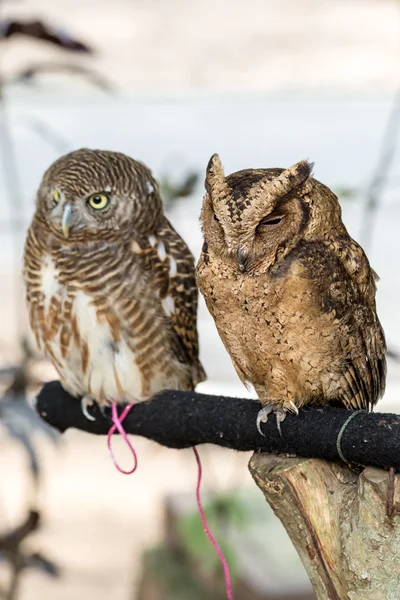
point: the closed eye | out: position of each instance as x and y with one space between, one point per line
216 218
270 221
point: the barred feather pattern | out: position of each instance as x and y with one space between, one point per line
115 315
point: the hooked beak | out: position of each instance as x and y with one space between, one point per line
242 258
66 220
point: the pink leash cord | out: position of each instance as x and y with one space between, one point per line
117 425
206 528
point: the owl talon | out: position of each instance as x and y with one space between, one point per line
85 403
263 415
103 408
280 417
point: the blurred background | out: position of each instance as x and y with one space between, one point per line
170 82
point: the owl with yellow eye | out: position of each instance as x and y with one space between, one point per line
110 285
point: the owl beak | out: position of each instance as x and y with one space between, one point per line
66 220
242 259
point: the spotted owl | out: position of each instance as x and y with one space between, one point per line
110 285
291 293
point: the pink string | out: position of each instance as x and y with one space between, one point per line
206 528
117 425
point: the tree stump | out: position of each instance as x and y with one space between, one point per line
338 522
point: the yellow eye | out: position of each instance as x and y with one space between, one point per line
56 196
98 201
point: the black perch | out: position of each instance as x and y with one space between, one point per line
179 419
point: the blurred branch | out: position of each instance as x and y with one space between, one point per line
22 423
8 159
10 545
11 551
18 418
173 191
379 180
393 354
345 192
380 175
29 73
40 30
10 541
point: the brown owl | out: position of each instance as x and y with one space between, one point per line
110 285
291 293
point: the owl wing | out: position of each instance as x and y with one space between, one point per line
172 266
366 372
348 299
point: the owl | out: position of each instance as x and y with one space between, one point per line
110 285
291 293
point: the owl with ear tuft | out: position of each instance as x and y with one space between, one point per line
110 285
291 293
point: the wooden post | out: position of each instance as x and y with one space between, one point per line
338 523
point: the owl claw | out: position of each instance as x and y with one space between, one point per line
85 403
280 416
103 408
264 413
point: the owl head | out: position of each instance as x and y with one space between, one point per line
97 194
253 217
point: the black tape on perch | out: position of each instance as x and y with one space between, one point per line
183 419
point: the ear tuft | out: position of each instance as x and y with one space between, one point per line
215 175
299 173
215 165
289 180
292 178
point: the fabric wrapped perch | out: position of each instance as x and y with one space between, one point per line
180 419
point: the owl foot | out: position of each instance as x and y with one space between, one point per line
264 413
85 403
105 406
